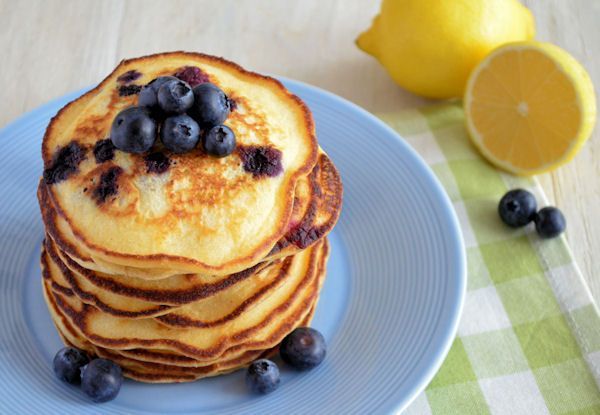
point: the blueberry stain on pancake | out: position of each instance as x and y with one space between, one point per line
127 90
65 163
104 150
232 103
129 77
261 160
303 236
192 75
157 163
108 185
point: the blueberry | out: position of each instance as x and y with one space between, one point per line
304 348
550 222
262 376
101 380
148 96
180 133
175 97
219 141
517 208
133 130
211 106
68 363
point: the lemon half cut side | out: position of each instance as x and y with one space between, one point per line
530 107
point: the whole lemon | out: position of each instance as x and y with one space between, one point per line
430 46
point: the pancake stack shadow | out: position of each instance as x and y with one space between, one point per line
162 326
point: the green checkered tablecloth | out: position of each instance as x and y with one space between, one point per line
529 337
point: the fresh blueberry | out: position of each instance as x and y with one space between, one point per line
148 96
68 363
262 376
304 348
180 133
133 130
211 106
219 141
517 208
175 97
101 380
550 222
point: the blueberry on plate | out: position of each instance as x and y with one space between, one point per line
262 376
211 106
101 380
175 97
133 130
550 222
219 141
148 95
304 348
67 364
517 208
180 133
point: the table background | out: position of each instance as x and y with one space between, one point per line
51 47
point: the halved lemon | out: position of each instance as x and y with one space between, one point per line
529 106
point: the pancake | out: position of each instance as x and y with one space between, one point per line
64 281
169 367
203 215
261 327
160 373
233 357
147 371
212 310
259 288
316 209
179 360
228 290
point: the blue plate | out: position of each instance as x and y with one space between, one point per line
389 308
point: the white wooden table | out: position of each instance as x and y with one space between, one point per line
51 47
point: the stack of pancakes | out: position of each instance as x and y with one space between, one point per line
198 266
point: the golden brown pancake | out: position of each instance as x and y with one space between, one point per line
212 310
263 326
135 298
151 371
170 368
316 209
141 364
203 214
132 307
63 279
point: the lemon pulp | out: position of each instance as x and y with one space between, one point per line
530 107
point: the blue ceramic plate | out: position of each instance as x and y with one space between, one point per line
389 308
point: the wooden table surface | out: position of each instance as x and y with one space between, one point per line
52 47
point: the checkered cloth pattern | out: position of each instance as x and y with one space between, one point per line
529 336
